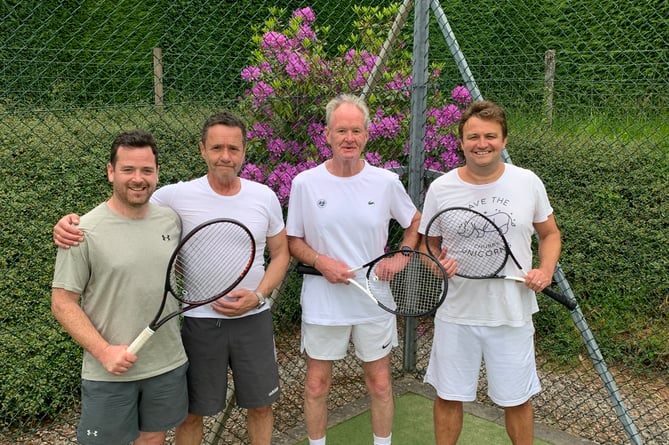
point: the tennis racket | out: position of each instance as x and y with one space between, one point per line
403 282
478 246
207 264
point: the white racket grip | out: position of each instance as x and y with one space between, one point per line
142 338
518 279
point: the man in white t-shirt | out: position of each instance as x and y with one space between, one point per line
490 320
338 217
235 331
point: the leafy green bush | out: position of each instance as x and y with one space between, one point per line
609 197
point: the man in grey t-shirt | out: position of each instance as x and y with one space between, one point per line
104 293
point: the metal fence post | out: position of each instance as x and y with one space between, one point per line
157 77
417 138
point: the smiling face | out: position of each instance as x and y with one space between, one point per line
134 175
346 133
483 142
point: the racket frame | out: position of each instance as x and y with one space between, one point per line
564 300
157 321
310 270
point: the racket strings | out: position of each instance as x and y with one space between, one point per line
210 262
472 240
417 288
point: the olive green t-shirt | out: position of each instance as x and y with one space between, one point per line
119 271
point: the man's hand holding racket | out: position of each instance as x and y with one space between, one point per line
537 280
236 303
387 268
116 359
333 270
449 264
481 250
406 282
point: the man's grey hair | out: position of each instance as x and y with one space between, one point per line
350 99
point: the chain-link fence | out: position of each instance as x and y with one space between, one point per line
585 88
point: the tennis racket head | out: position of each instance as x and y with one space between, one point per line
210 261
407 283
474 240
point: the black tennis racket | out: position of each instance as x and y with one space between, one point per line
478 246
403 282
207 264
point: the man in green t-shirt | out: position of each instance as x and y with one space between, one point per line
104 293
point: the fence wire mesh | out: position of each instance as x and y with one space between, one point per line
585 86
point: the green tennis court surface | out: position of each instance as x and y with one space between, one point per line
413 426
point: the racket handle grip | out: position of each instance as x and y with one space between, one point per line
564 300
142 338
307 270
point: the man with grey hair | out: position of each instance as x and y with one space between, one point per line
338 218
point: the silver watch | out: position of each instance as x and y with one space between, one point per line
261 299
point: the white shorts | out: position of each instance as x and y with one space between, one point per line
508 353
372 341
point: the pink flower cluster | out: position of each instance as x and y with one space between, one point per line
289 82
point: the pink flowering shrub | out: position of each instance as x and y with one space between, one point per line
293 74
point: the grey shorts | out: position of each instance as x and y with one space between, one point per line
113 413
244 344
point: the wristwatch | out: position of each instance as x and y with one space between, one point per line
405 249
261 299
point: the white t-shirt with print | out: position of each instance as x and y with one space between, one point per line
515 201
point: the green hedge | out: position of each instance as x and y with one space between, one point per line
610 201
